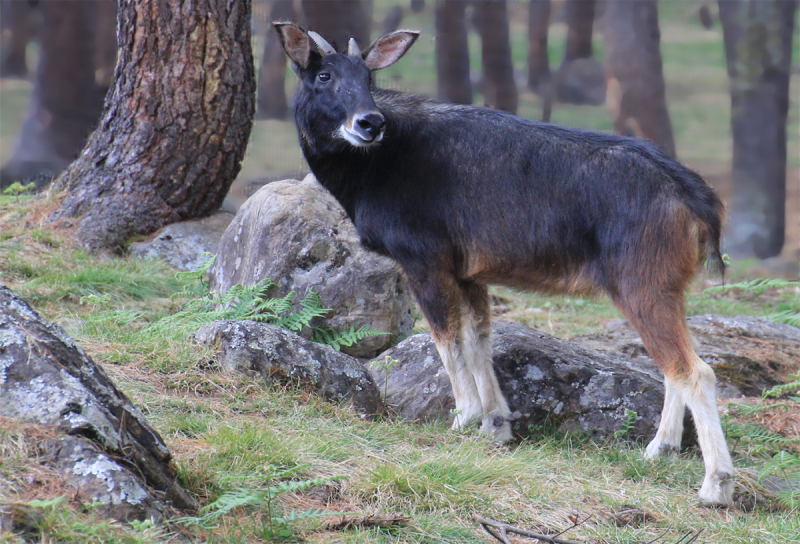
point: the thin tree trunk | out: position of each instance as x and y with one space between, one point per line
635 93
338 21
758 47
272 103
452 53
500 87
176 121
579 16
538 61
65 103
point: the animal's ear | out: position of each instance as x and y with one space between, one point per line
388 50
295 42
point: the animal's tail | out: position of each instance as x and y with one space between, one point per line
705 205
714 260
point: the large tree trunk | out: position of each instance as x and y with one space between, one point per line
758 47
65 103
452 53
538 61
272 103
338 21
500 89
579 16
635 93
176 121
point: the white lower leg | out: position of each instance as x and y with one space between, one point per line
478 357
700 396
465 392
670 430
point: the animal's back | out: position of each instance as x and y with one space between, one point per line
476 181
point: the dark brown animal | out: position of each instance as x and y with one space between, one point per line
463 197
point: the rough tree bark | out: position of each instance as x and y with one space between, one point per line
538 61
500 89
452 53
579 16
175 125
65 103
758 47
635 93
338 21
272 103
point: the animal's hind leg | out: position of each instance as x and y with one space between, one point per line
659 319
670 430
477 342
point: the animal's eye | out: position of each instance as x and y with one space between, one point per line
324 77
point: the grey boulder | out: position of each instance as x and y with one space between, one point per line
105 449
183 245
297 235
274 353
748 354
545 381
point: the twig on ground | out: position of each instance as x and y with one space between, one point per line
505 528
575 523
659 537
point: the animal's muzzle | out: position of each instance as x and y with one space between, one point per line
369 127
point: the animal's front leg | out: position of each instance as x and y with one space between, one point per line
476 334
441 301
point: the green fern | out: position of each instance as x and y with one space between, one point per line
757 287
786 388
252 302
276 527
346 338
785 465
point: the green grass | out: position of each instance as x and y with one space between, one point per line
230 432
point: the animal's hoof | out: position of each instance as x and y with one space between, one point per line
498 428
717 490
660 449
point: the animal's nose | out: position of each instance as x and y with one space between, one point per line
370 125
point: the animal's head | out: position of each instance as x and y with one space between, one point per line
335 99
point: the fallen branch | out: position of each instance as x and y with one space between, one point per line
490 525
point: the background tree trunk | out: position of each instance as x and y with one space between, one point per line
65 103
635 93
579 16
500 89
338 20
105 44
272 103
758 48
175 125
538 61
19 28
452 53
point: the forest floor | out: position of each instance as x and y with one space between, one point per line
402 481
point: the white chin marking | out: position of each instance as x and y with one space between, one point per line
354 139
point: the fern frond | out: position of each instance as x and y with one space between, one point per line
786 388
294 515
756 286
750 409
787 317
337 339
